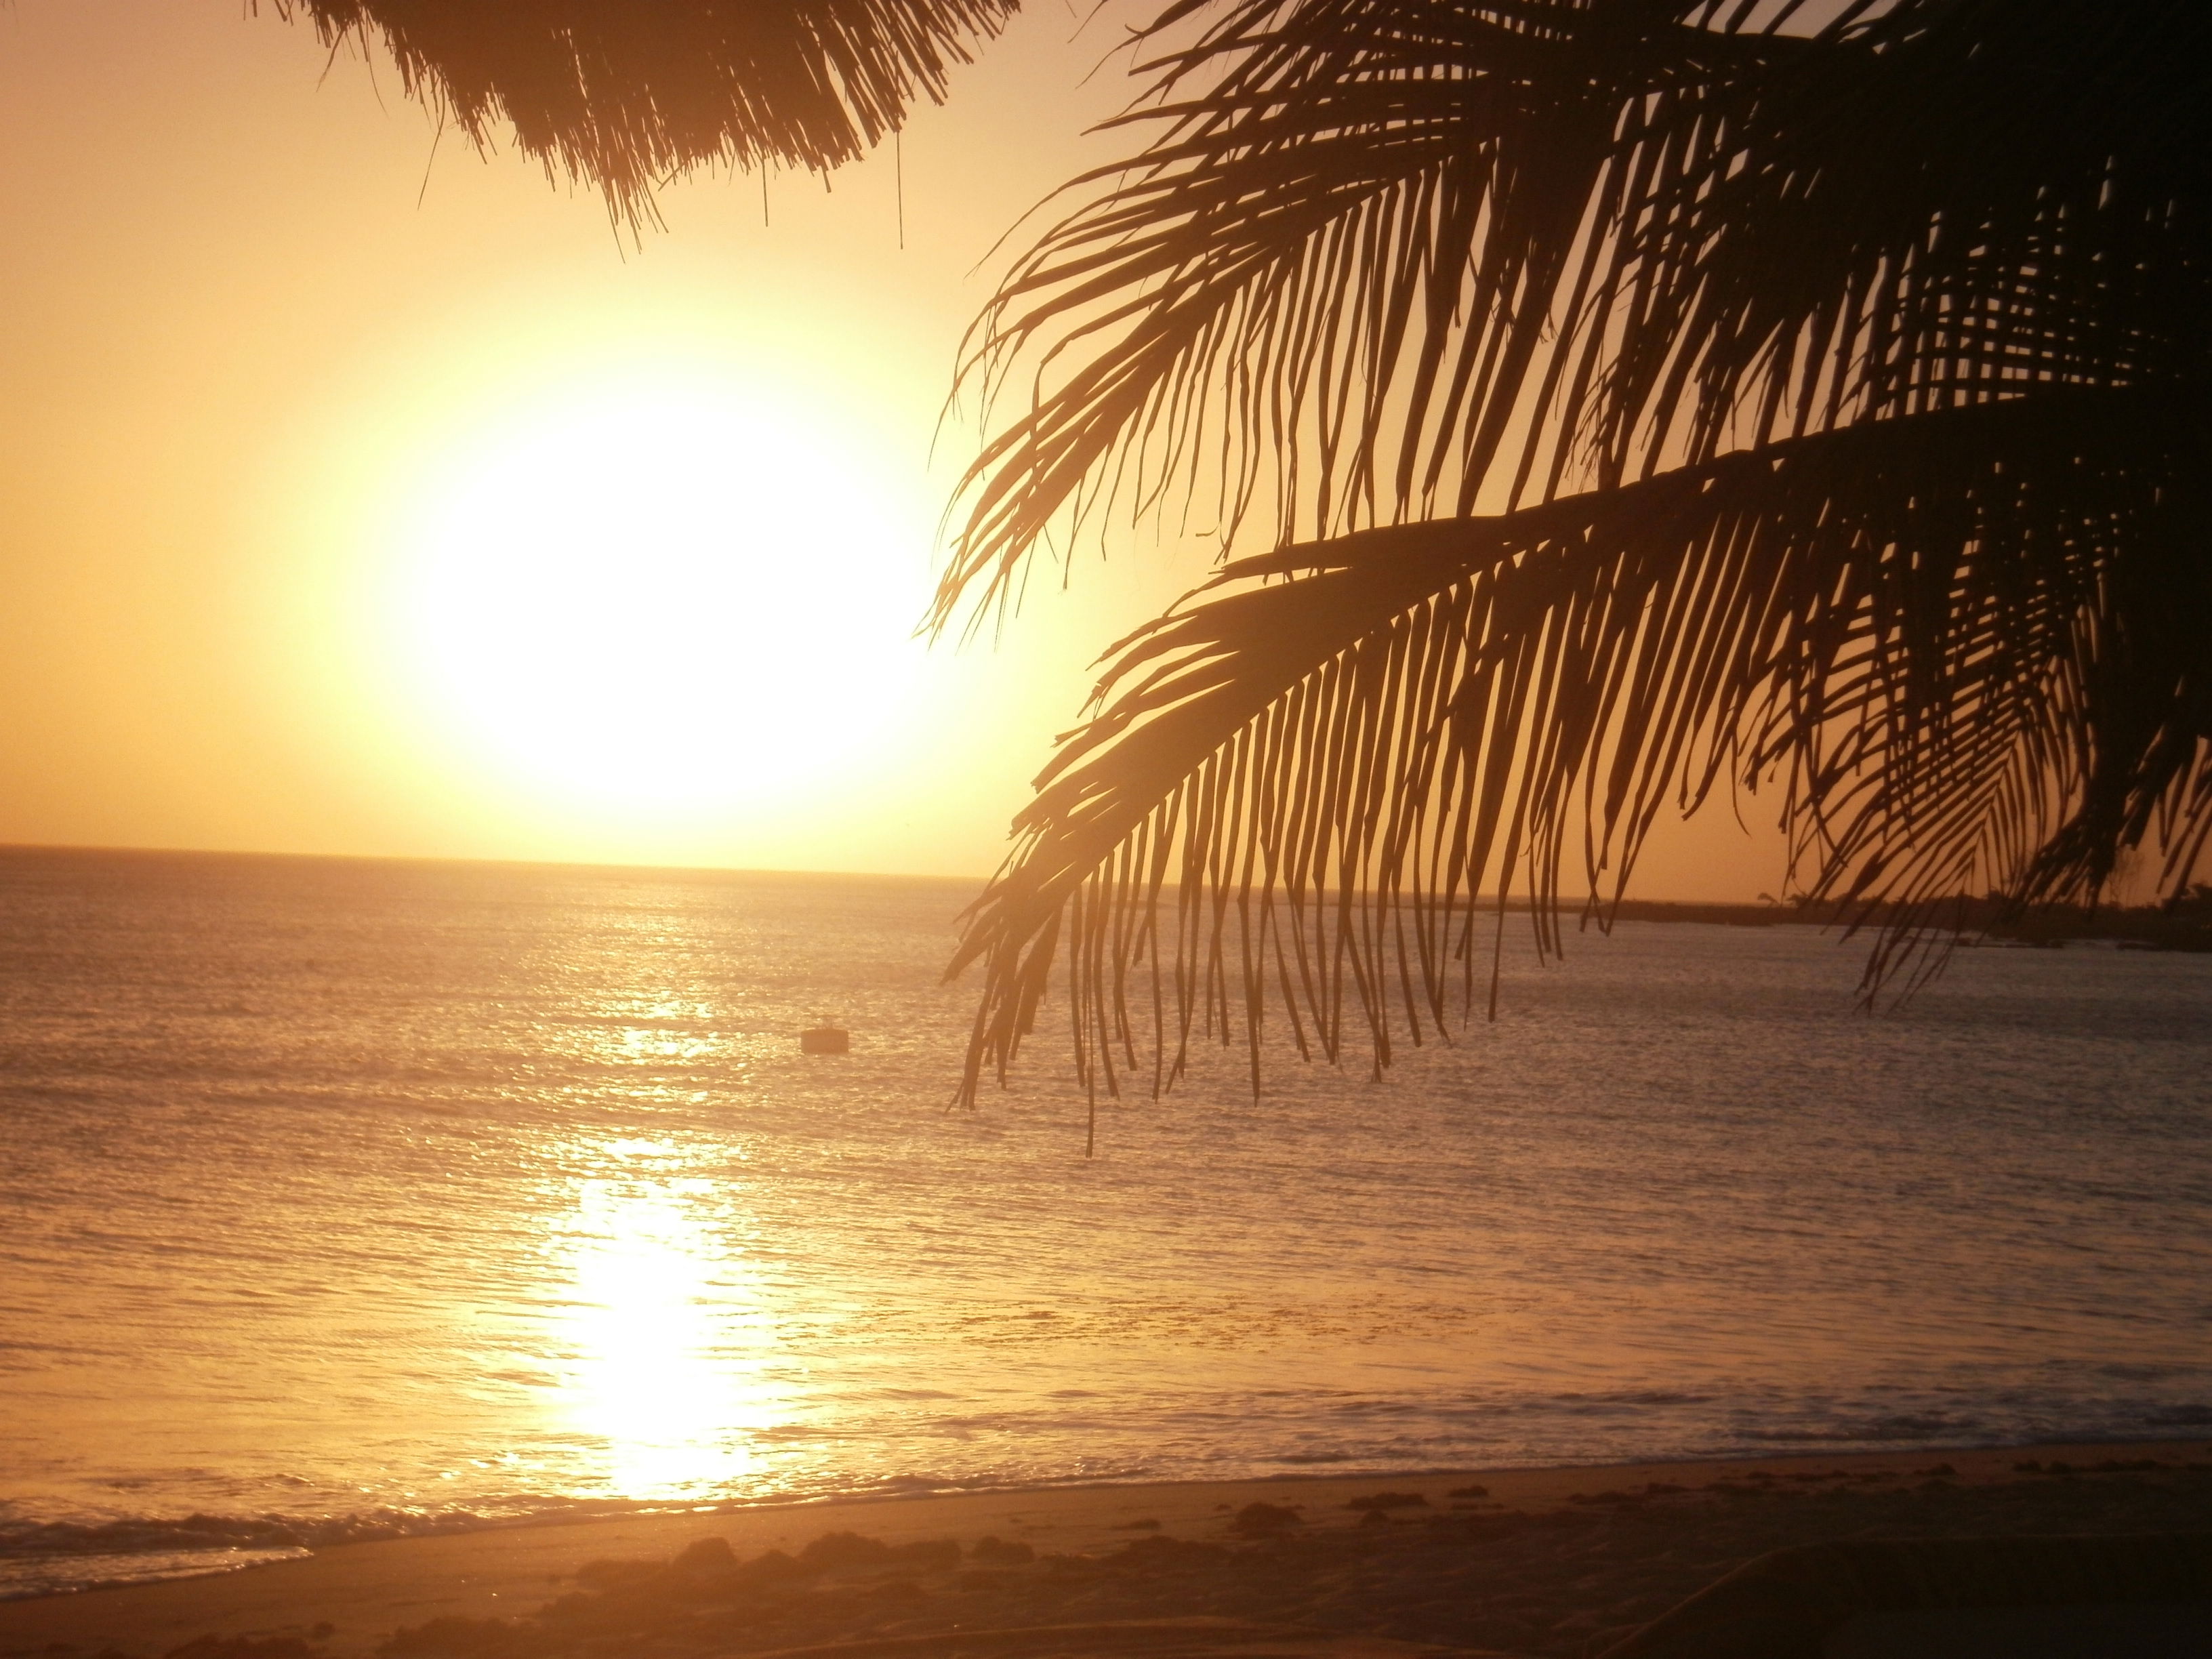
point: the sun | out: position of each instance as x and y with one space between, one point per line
659 594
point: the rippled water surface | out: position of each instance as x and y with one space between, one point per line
363 1196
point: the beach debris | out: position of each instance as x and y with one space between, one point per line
1147 1525
1469 1491
1375 1503
708 1555
706 1552
835 1551
825 1040
991 1551
1265 1521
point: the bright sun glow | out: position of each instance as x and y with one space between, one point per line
662 595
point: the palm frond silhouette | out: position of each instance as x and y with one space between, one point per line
626 94
1638 400
1629 400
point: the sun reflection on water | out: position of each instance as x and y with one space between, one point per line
670 1340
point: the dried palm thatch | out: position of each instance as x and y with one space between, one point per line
626 94
1636 400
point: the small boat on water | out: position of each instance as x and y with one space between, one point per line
825 1040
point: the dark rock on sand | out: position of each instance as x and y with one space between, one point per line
1265 1521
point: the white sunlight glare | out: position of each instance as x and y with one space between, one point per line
663 596
671 1347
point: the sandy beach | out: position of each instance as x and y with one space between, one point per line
1528 1561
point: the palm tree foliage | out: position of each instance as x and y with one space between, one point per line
1630 401
1636 400
626 93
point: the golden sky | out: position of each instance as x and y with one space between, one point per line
367 495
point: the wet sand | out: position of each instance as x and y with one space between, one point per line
1540 1561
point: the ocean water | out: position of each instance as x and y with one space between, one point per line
343 1197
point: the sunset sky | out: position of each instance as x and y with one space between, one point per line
367 495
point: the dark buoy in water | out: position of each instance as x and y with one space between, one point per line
825 1040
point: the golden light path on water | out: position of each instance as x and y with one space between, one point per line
668 1334
379 1197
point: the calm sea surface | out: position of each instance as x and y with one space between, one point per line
338 1198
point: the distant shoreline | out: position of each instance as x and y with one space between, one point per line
2185 926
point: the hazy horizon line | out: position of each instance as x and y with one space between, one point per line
11 848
